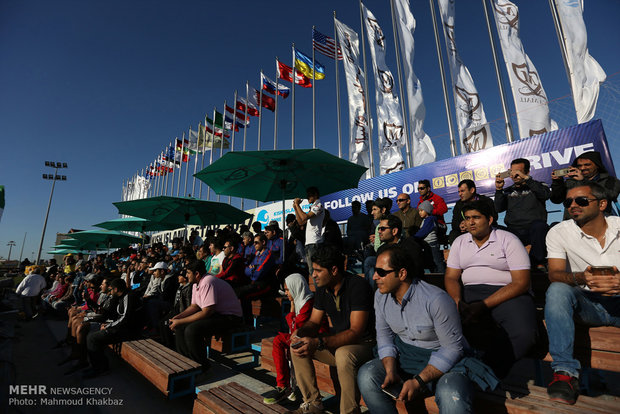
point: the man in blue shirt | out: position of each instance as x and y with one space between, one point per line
419 342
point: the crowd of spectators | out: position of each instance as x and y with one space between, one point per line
428 341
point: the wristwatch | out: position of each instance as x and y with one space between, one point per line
321 344
423 385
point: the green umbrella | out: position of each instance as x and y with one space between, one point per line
279 175
106 238
182 211
135 224
63 246
66 251
81 245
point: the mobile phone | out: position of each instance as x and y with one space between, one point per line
393 390
562 172
602 270
504 174
297 344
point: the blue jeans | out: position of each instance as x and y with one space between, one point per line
564 305
440 266
369 269
453 391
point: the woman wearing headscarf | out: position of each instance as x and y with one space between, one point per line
302 300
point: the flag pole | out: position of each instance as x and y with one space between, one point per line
222 137
275 119
260 114
245 130
212 149
166 159
165 192
444 83
183 147
293 78
202 161
337 88
313 108
498 75
367 95
406 124
234 117
195 161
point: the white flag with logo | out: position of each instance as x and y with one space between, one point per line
527 90
358 120
586 74
474 132
423 149
390 126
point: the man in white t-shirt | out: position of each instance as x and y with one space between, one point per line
313 220
580 288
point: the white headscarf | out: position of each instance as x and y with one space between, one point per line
300 291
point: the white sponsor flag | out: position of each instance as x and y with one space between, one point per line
586 74
423 149
474 132
527 90
358 120
391 130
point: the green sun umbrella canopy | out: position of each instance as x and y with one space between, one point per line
64 251
103 239
182 211
135 224
274 175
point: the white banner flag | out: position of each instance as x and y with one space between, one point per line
529 96
358 120
586 74
423 149
474 132
390 126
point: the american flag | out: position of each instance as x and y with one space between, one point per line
325 44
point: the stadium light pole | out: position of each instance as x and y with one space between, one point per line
53 177
10 244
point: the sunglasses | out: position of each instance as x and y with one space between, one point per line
383 228
256 242
581 201
401 200
421 188
383 272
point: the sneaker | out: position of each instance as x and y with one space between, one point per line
309 408
295 395
276 395
563 388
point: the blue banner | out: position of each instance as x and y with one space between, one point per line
546 152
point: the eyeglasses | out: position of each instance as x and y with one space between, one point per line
383 228
401 200
256 242
421 188
383 272
581 201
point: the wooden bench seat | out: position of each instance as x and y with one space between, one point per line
233 398
509 399
170 372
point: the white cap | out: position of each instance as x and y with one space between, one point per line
160 265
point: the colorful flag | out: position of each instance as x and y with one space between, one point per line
474 131
270 86
391 131
325 45
303 64
285 72
241 119
184 147
359 129
586 74
266 102
242 104
529 95
422 148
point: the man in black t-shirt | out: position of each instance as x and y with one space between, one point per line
348 302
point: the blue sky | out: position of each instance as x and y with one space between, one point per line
106 85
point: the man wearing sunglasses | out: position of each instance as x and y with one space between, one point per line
346 300
524 204
578 291
586 167
409 216
419 342
439 205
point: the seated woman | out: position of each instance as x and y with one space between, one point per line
302 300
497 311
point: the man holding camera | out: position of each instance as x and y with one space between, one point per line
583 257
